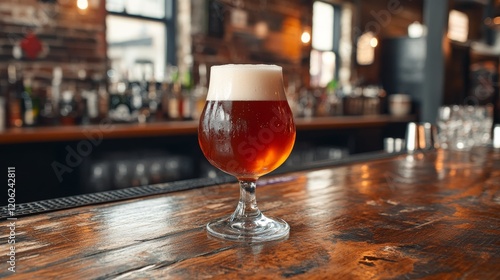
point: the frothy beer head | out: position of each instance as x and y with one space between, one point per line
246 82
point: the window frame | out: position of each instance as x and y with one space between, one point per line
170 22
337 13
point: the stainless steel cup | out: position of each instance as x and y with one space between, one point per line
427 136
411 138
420 136
496 136
389 145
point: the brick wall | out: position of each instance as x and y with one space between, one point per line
72 39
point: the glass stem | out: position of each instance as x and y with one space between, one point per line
247 206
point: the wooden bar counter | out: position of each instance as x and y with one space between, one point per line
109 130
432 215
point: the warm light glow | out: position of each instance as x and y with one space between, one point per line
458 26
365 54
496 20
306 37
82 4
261 29
416 30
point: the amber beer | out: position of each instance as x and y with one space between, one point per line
246 130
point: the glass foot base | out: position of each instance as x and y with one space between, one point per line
251 229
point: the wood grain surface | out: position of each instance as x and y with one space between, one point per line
423 216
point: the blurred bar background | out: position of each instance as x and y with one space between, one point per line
105 94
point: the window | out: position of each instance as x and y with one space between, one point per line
325 43
323 16
458 26
140 37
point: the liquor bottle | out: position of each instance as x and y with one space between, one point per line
175 102
334 99
3 110
134 96
173 97
80 109
200 92
91 112
48 114
120 102
144 111
164 103
14 100
67 114
103 101
29 106
57 76
187 95
153 100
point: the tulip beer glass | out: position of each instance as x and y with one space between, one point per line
246 130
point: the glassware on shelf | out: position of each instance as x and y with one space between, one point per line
307 103
399 104
483 123
247 130
464 127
